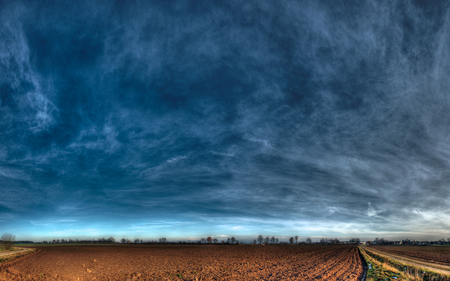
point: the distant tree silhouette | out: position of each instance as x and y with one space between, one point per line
272 240
164 240
136 241
260 239
296 239
277 241
254 241
291 240
215 241
354 240
266 240
111 240
308 240
123 240
209 240
8 240
233 240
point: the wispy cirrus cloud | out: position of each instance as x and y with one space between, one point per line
275 117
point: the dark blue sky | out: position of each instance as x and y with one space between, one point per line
188 119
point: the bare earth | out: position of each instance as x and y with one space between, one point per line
3 254
173 262
430 265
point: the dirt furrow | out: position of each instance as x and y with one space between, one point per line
243 262
443 269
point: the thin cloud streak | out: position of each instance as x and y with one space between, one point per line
261 115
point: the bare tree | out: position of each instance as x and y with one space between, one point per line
272 240
215 241
291 240
123 240
266 240
254 241
164 240
209 240
260 239
111 240
233 240
308 240
8 240
277 241
136 241
296 239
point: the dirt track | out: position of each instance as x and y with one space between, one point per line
443 269
172 262
2 254
434 254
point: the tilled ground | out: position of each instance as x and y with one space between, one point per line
436 254
177 262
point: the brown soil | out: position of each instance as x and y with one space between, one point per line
440 268
436 254
177 262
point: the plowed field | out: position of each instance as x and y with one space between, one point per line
176 262
439 254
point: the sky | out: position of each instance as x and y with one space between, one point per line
189 119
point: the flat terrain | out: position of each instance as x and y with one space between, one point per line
178 262
436 254
427 264
13 252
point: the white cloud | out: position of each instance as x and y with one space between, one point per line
371 210
237 227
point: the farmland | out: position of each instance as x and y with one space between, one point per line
434 254
178 262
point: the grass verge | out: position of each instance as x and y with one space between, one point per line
383 268
2 250
8 258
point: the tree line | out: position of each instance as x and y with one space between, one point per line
8 239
